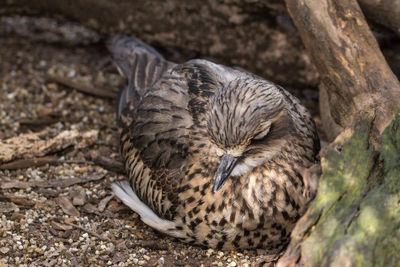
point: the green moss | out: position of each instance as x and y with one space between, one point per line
359 217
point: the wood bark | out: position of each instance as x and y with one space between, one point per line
384 12
353 70
354 219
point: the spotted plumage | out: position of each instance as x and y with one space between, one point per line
214 155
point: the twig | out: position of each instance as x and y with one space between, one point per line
53 183
34 123
82 88
27 163
103 203
20 201
89 232
107 163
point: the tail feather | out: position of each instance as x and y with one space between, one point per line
124 192
141 64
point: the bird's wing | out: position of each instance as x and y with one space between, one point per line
141 64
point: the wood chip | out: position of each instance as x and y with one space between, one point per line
14 184
47 192
90 208
35 145
7 207
52 183
78 196
17 216
28 163
117 207
106 93
20 201
67 206
107 163
60 226
103 203
45 112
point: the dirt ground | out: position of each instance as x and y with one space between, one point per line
46 220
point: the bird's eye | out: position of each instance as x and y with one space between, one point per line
262 134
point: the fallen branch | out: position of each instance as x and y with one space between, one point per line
28 163
82 87
35 145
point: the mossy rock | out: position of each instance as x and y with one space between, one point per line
358 204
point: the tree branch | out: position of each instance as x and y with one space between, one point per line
353 70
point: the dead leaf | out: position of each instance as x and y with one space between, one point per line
67 206
103 203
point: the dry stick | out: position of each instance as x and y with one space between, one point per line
52 183
82 88
38 122
108 163
27 163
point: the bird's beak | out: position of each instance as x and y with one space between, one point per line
225 168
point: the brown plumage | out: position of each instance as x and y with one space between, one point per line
215 155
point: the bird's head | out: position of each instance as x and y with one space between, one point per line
248 124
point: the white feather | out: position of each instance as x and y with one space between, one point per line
124 192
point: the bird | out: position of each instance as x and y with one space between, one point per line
214 155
